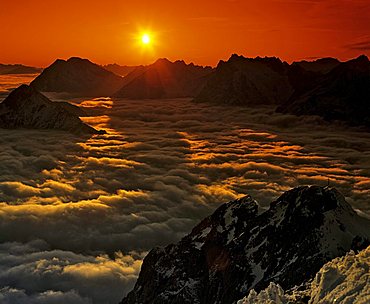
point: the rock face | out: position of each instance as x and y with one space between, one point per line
248 81
18 69
79 77
342 94
26 108
239 248
344 280
164 79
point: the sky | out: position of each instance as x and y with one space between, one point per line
37 32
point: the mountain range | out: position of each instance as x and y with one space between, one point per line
18 69
164 79
241 247
324 87
341 94
27 108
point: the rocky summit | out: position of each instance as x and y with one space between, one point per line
78 77
164 79
241 247
248 81
27 108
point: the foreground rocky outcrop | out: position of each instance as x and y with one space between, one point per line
164 79
240 247
342 280
27 108
78 77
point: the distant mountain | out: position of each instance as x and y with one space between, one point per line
322 65
121 70
240 247
164 79
26 108
342 94
18 69
248 81
79 77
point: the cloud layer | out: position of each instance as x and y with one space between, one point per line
70 206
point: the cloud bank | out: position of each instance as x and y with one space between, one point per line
77 215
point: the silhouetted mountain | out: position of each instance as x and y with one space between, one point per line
322 65
121 70
26 108
164 79
79 77
240 247
342 94
248 81
18 69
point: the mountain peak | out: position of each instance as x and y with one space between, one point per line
238 248
362 58
79 77
75 58
22 94
25 107
360 63
312 200
162 61
164 79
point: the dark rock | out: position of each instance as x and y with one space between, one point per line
342 94
238 248
26 108
322 65
164 79
79 77
248 81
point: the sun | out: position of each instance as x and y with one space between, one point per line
145 39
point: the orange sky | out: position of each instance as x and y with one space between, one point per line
203 31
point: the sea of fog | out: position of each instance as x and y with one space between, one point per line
78 214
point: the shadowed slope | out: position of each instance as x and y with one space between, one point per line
27 108
341 94
164 79
79 77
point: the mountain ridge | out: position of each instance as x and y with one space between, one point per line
9 69
164 79
341 94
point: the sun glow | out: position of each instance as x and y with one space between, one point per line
145 39
146 42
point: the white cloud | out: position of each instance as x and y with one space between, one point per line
162 167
